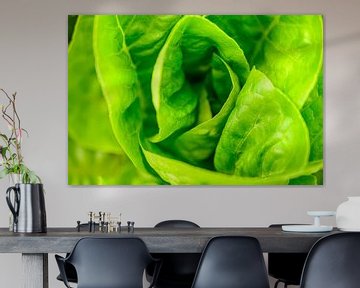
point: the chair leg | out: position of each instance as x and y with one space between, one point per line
278 282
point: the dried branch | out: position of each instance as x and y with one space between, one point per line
10 152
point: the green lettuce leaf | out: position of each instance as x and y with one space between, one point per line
175 100
265 134
118 79
88 121
177 172
287 48
198 144
312 113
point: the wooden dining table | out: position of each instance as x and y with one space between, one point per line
35 247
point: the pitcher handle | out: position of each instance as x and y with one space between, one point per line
13 208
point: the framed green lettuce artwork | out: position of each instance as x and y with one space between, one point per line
195 100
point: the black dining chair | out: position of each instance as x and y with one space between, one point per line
178 269
333 262
285 267
232 262
108 263
70 271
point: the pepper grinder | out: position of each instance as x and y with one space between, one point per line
90 221
130 226
78 226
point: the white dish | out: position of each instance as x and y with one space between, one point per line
350 229
321 213
306 228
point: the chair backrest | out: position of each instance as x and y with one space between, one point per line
110 262
287 267
333 262
232 262
176 224
178 269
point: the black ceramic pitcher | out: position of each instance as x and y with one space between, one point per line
28 207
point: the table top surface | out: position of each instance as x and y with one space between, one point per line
158 240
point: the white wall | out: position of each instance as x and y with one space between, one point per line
33 62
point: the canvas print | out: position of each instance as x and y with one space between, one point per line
195 100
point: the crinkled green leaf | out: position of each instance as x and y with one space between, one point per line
145 36
287 48
199 143
118 79
313 116
174 98
177 172
88 121
265 134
